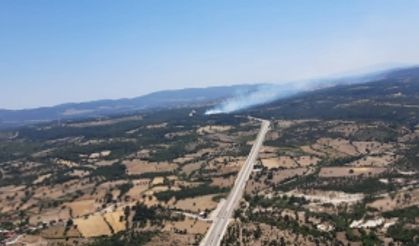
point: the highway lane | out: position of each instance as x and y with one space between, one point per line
219 226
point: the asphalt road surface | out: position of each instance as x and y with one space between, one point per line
219 226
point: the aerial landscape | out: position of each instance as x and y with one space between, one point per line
320 156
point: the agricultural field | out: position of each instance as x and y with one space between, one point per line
349 190
330 172
146 177
337 168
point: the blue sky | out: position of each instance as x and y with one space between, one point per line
69 51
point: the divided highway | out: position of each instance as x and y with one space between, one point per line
219 226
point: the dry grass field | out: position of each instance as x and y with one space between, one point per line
342 146
328 172
325 197
305 161
397 200
10 197
168 238
189 225
52 214
223 181
189 168
116 220
60 232
309 150
93 226
139 187
136 167
157 181
280 162
212 129
282 175
196 204
82 207
375 161
34 240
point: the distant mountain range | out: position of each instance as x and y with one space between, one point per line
195 97
161 99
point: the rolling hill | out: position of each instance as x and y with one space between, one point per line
161 99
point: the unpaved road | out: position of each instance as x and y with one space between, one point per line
219 226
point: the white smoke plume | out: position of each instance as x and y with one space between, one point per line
270 92
263 94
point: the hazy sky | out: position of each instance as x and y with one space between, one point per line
68 51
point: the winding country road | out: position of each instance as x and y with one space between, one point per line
219 226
